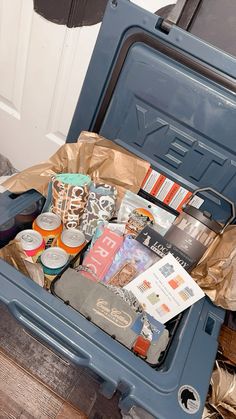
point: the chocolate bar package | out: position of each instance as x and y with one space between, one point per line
155 242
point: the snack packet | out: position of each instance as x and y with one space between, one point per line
161 218
131 259
100 256
115 227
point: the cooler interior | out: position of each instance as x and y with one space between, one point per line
24 220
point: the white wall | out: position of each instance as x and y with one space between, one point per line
153 5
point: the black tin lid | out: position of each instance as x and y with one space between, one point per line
204 218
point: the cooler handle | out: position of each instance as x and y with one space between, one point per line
222 197
47 332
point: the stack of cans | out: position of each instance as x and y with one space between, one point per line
48 243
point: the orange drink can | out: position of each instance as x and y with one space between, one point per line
49 225
72 241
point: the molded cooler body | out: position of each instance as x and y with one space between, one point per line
169 98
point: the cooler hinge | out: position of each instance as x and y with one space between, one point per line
182 14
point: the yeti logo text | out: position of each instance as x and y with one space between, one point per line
177 145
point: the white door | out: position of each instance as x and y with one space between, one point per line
42 68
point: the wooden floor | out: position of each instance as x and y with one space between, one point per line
21 396
35 382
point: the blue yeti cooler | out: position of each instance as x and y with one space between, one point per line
169 98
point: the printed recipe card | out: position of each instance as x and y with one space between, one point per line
165 289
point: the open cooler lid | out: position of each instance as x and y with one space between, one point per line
169 98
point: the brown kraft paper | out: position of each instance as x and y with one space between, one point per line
223 391
93 155
14 255
216 272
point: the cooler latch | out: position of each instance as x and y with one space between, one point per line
181 14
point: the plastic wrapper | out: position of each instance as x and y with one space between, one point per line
137 221
162 218
130 260
115 227
101 255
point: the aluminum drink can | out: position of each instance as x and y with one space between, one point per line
72 241
49 225
53 261
31 242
